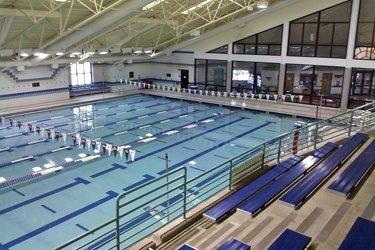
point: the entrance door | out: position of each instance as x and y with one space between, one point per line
184 78
362 84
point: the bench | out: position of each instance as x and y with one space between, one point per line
305 187
226 206
186 247
290 240
88 91
266 195
353 174
233 244
360 235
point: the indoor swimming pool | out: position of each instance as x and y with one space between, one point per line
62 169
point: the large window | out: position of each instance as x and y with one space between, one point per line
81 73
251 77
265 43
365 41
211 74
220 50
315 83
362 89
322 34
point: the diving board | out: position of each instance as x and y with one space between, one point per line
226 206
360 235
266 195
234 244
305 187
290 240
353 174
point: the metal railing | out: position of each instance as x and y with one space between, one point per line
150 206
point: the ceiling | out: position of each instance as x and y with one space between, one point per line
120 27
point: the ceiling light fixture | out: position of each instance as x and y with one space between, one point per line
200 5
153 4
262 4
103 51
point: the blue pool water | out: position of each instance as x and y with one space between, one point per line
45 210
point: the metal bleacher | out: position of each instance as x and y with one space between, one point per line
261 199
301 190
353 174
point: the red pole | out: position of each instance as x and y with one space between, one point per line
295 142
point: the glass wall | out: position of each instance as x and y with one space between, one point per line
265 43
252 77
211 74
365 40
322 34
362 88
315 83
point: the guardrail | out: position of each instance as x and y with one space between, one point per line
152 205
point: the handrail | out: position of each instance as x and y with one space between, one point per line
209 183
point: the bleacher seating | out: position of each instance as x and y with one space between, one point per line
88 91
301 190
233 244
290 240
263 197
186 247
233 201
351 176
360 236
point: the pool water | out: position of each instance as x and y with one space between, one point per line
55 188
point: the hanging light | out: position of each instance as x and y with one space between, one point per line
262 4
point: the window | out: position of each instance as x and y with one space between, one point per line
365 41
220 50
315 83
362 88
252 77
211 74
81 73
321 34
265 43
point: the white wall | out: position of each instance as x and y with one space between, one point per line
20 83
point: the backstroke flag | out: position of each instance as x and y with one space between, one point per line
64 137
132 154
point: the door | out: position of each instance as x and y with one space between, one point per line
326 84
362 84
289 83
184 78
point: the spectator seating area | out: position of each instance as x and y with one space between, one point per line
290 240
232 202
307 175
360 236
266 195
353 174
305 187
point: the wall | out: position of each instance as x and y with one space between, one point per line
17 86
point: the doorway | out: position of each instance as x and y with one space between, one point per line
184 78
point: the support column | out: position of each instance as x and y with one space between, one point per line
284 51
349 57
229 68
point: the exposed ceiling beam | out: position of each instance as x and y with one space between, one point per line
5 29
159 21
28 13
